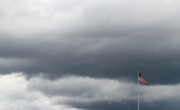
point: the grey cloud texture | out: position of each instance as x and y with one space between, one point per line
93 94
108 39
83 93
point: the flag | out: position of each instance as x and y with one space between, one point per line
142 79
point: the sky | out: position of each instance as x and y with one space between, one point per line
85 54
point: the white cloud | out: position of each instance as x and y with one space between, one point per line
14 95
37 17
76 17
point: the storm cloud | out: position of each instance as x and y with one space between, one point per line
84 55
90 38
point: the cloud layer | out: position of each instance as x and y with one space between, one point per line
83 93
93 94
108 39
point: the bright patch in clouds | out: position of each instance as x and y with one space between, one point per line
14 95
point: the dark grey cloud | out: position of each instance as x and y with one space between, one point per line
97 57
91 38
129 106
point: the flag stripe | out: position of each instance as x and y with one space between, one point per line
142 79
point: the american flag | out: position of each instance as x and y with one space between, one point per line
142 79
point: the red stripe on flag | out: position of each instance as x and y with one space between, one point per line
142 79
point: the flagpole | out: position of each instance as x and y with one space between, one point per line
138 89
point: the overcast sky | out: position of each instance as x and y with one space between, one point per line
85 54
